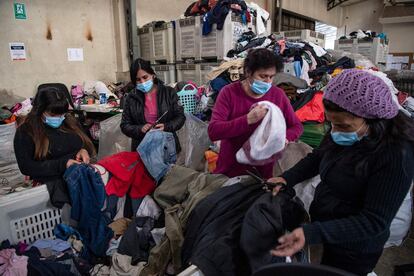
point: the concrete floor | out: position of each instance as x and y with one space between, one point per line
403 254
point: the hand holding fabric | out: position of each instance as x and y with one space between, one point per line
277 180
256 114
290 243
83 156
145 128
72 162
160 127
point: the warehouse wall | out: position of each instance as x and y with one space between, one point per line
401 37
315 9
364 15
150 10
50 28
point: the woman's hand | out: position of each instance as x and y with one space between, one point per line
277 180
83 156
145 128
256 114
290 243
160 127
72 162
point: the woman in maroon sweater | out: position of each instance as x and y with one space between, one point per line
233 121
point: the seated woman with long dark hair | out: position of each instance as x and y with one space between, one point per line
50 140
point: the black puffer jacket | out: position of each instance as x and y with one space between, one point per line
133 119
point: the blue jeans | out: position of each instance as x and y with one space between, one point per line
87 194
157 151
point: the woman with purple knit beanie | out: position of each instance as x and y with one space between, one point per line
366 166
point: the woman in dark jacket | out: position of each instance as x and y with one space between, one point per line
148 103
366 168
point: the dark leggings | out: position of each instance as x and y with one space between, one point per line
348 260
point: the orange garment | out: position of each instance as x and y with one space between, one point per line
313 110
211 158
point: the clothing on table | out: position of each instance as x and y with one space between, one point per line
119 226
150 108
157 151
133 119
129 175
268 219
38 267
229 124
212 235
313 110
12 264
87 194
289 79
180 192
267 140
349 203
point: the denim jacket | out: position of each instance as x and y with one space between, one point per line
157 151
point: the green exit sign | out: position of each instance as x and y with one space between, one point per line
19 11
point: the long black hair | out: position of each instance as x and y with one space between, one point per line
382 133
51 100
139 64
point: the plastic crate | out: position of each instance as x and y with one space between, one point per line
188 98
216 44
164 43
303 35
27 216
376 49
188 72
187 34
166 73
146 43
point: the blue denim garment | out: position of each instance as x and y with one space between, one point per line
87 194
157 151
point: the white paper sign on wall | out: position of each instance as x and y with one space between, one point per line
75 54
17 51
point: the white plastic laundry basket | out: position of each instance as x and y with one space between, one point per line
27 216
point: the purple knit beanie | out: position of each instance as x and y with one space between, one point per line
362 94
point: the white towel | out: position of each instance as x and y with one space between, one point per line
267 140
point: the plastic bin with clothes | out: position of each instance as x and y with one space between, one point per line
10 174
112 140
194 143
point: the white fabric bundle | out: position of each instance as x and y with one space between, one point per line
267 140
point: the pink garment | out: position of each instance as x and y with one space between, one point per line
229 124
314 63
12 264
151 108
282 44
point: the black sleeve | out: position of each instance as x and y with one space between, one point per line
178 113
128 127
24 149
387 187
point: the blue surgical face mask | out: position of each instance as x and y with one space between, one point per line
54 122
145 86
260 87
346 138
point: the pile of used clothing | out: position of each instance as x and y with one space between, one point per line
216 11
360 34
91 91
